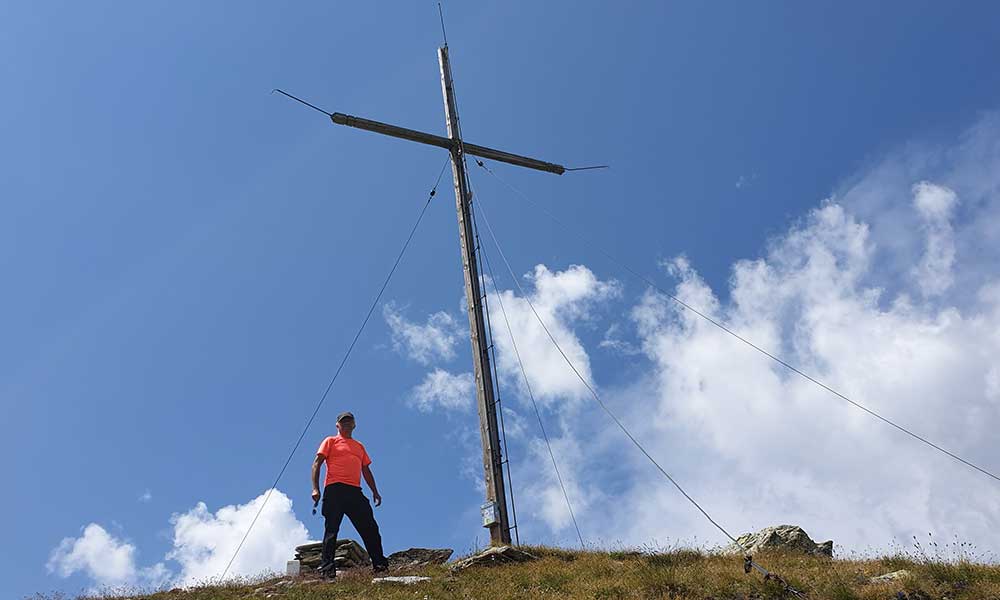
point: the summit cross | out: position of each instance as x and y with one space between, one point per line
495 515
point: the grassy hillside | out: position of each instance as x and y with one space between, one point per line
681 574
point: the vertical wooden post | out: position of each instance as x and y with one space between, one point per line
488 429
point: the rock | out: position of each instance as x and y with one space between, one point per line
889 577
419 557
310 547
783 537
348 554
407 580
492 556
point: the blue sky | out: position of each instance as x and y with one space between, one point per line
185 258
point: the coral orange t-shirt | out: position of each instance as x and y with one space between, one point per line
344 459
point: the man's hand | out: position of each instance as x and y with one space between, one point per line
366 472
315 477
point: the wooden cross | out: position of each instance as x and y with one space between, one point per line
495 509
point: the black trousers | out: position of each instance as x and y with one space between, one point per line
340 499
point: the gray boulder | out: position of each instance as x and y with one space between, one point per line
492 556
783 537
419 557
347 555
890 577
405 580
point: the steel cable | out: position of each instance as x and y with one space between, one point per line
746 341
531 395
611 414
336 374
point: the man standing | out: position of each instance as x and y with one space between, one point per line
346 461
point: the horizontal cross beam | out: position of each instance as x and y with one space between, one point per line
446 143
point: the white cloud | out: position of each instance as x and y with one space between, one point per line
794 452
744 181
566 301
434 340
614 340
993 384
157 576
515 424
205 542
563 299
759 445
443 390
969 168
145 496
108 561
545 495
935 205
98 554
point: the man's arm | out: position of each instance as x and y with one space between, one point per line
315 475
370 479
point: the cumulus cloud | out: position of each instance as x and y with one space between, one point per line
203 543
106 560
568 302
795 452
432 341
563 299
889 293
968 167
515 424
935 204
443 390
547 501
614 340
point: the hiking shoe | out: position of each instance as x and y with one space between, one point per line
328 570
376 569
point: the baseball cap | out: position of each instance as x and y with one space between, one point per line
344 415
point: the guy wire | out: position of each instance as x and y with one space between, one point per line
746 341
607 410
336 374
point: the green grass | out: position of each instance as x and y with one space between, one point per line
680 574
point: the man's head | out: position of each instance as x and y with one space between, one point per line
345 424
